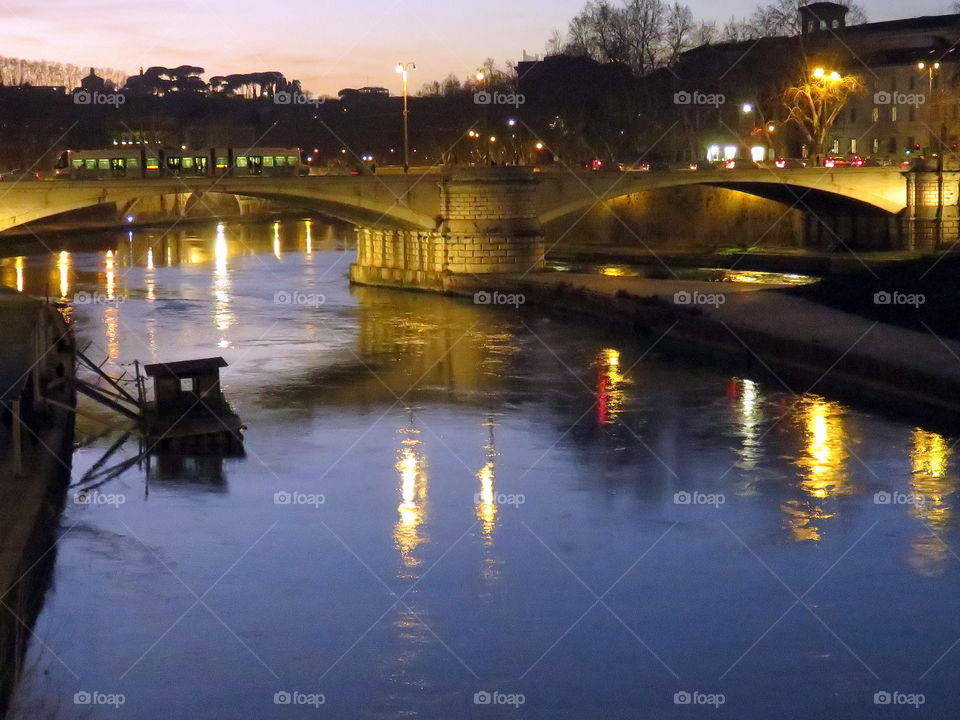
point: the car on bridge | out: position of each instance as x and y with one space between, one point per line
789 163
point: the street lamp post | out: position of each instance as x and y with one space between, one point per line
403 69
482 78
931 68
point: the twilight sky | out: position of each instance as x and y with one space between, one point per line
328 45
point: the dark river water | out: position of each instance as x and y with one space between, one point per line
458 511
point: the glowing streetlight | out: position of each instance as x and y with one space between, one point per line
930 70
403 69
747 108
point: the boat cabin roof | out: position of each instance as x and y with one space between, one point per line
184 368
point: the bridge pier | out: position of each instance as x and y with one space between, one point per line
488 224
932 216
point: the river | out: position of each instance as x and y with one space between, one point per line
456 511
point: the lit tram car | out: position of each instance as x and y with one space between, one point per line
142 162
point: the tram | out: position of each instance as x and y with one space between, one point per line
144 162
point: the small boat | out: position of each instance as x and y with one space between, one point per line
189 411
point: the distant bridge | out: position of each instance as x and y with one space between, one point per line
415 202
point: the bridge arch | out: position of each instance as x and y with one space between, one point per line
863 189
404 203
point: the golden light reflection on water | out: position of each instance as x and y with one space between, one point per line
276 241
748 406
823 462
930 484
111 310
614 270
222 314
610 386
18 266
411 466
486 505
308 236
110 284
63 272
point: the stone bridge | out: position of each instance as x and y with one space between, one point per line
416 229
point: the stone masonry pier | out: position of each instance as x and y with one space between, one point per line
488 224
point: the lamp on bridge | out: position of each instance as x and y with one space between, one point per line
404 69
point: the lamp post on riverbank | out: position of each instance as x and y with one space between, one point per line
403 69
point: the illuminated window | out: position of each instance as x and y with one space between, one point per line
893 113
133 163
758 153
853 145
103 163
729 152
280 160
221 162
90 164
875 115
268 160
77 163
835 148
152 163
241 161
291 159
713 153
876 145
187 162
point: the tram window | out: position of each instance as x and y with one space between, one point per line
133 163
90 164
280 160
291 160
268 160
187 162
152 163
78 163
241 161
221 162
103 163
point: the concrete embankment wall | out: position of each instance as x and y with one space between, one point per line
880 381
36 444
